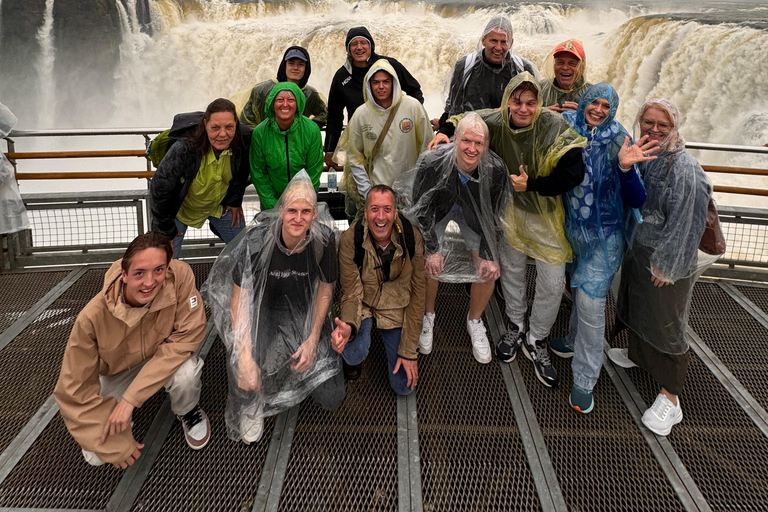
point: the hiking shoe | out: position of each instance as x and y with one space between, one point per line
581 400
352 371
509 344
620 357
197 428
481 348
561 347
538 354
662 415
427 333
252 424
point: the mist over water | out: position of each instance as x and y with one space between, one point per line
707 57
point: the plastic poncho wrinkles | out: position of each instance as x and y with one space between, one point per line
534 222
434 188
270 320
594 209
407 137
13 214
277 156
552 94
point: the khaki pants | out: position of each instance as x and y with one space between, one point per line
183 389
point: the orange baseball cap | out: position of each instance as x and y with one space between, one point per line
572 46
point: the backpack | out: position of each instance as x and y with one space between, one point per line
182 126
410 241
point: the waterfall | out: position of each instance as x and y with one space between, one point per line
44 68
131 101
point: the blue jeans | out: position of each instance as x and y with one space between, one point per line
585 334
357 350
222 226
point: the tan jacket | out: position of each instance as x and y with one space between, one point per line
109 337
397 302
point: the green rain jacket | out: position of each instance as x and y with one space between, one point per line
276 156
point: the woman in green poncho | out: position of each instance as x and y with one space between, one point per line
543 152
284 144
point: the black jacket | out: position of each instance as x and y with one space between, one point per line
347 88
177 171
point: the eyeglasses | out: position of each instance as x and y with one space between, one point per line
647 124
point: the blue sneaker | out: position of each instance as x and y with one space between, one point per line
581 400
561 347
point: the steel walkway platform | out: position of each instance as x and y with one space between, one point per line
471 438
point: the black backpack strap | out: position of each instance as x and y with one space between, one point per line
410 240
359 252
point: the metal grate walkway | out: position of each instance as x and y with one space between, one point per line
472 437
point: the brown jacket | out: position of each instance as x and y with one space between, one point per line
397 302
109 337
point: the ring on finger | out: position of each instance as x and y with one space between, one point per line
645 154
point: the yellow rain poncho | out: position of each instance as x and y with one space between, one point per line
535 222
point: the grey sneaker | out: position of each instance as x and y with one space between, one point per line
542 364
620 357
509 344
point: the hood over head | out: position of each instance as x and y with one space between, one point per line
359 32
397 94
513 84
281 75
7 120
501 23
675 138
601 90
301 100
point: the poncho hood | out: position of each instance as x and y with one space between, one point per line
397 93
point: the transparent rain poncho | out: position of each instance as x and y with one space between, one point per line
265 299
435 189
666 244
594 210
13 214
534 223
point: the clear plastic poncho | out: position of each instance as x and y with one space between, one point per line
534 223
666 245
13 214
436 190
265 299
594 210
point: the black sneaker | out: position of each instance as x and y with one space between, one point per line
539 355
352 372
197 431
509 344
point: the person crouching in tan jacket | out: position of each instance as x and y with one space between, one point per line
140 333
381 262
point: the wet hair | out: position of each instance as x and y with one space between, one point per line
380 189
472 122
151 240
525 86
199 137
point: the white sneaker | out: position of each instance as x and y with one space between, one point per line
252 424
427 333
620 357
91 458
481 348
663 415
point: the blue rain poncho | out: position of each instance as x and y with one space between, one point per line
594 210
13 214
264 299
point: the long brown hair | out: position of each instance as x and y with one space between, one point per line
149 240
199 137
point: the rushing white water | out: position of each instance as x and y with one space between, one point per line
44 67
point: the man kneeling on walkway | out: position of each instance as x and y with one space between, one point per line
381 262
138 334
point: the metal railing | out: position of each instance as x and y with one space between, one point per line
74 228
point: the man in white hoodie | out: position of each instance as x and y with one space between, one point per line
384 137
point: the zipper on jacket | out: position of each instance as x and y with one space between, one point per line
287 159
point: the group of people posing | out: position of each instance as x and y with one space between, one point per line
520 168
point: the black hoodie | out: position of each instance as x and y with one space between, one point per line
282 77
347 87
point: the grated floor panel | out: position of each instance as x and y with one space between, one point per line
224 475
347 459
757 294
20 291
472 456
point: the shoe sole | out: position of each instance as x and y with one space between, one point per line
530 358
199 447
481 361
564 355
665 432
575 408
511 359
425 351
